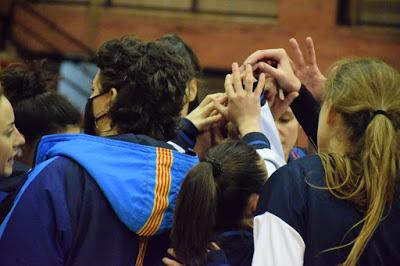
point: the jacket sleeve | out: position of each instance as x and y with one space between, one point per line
268 128
37 230
187 134
306 109
267 142
279 225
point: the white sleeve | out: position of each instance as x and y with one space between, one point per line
276 243
268 128
274 157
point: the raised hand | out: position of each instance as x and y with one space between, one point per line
203 116
243 107
282 103
283 73
306 69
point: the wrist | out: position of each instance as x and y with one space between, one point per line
296 85
248 127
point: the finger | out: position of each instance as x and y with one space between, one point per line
210 97
289 99
223 110
260 85
208 108
228 86
298 55
212 119
171 252
268 70
222 99
311 51
237 81
214 246
242 69
170 262
248 79
274 54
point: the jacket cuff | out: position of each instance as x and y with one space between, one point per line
257 140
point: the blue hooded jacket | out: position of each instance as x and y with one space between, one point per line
102 201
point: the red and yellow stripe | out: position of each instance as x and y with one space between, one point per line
142 251
162 188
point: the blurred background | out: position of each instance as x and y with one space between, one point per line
67 32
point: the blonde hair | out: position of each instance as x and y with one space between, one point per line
367 174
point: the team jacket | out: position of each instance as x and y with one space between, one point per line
95 201
298 221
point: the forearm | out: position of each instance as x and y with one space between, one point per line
306 109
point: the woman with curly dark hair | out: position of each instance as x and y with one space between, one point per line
108 199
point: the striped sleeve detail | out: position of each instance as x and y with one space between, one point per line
161 191
142 251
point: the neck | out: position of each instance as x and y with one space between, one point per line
28 153
338 145
104 127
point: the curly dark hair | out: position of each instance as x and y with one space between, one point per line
150 80
39 109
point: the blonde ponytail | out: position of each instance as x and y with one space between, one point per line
367 95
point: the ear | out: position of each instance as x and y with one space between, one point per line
333 116
113 93
252 204
191 90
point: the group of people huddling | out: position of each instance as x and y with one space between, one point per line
160 177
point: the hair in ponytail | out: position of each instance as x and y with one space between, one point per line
366 94
214 196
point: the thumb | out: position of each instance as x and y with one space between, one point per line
290 98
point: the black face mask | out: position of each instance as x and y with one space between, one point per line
89 121
89 124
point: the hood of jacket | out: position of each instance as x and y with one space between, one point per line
141 182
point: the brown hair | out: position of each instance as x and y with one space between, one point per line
367 174
214 196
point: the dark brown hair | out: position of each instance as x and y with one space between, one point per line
150 80
39 109
213 199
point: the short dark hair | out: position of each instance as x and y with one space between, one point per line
209 201
39 110
150 80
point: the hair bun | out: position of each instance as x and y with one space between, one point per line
21 81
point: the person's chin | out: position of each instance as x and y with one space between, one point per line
8 168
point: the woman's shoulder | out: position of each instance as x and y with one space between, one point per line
299 172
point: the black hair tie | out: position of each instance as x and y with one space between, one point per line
379 112
216 167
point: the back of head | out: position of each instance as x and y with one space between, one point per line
39 109
366 94
214 196
150 80
182 49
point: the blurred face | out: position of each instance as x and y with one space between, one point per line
10 138
288 129
97 121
